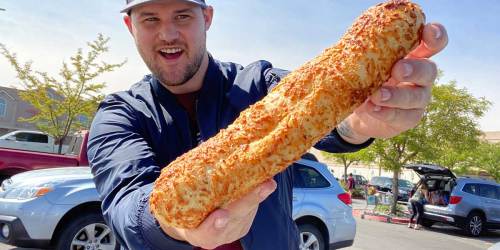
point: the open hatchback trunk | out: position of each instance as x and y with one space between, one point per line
440 181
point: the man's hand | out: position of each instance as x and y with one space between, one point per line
400 103
227 224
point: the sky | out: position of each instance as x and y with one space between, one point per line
284 32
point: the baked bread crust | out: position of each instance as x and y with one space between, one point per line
303 108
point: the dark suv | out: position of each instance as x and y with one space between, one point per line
384 184
470 203
359 180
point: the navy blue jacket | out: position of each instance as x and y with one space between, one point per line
138 132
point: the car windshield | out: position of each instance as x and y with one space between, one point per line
405 183
4 137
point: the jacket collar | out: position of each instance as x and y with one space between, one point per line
208 104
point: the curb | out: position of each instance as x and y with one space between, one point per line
360 213
380 218
397 220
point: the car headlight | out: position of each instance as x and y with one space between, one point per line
27 192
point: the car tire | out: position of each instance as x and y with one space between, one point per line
474 225
88 231
311 238
3 178
427 223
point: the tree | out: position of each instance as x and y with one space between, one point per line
62 103
347 159
447 131
487 157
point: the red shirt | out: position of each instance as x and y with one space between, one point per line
232 246
188 101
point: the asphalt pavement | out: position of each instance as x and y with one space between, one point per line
378 235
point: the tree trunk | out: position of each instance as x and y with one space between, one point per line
60 144
395 191
345 173
346 166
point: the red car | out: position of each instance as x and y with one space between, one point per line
13 161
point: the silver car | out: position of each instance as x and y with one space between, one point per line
57 208
469 203
60 208
321 208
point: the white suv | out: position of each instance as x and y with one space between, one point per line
469 203
60 208
321 208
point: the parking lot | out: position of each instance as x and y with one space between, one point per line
378 235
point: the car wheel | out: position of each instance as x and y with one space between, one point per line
474 224
311 238
87 232
427 223
3 178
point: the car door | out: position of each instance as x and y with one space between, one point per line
40 143
310 190
22 142
298 189
491 202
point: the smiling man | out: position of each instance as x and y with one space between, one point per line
188 97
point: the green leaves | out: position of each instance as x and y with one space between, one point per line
446 133
63 101
347 159
486 157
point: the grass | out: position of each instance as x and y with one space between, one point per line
386 210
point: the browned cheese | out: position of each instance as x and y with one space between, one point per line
304 107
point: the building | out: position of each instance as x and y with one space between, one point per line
12 107
491 136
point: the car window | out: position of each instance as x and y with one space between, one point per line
307 177
29 137
22 137
471 188
488 191
387 182
498 193
39 138
405 183
376 181
431 184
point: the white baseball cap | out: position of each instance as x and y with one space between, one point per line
133 3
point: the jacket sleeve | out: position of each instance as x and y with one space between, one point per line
333 142
124 171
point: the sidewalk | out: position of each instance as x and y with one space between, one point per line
359 210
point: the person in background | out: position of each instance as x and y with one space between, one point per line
417 201
351 184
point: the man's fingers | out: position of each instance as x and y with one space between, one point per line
402 96
402 118
237 216
205 235
217 220
243 206
419 71
435 39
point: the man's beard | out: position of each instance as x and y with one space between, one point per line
182 75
